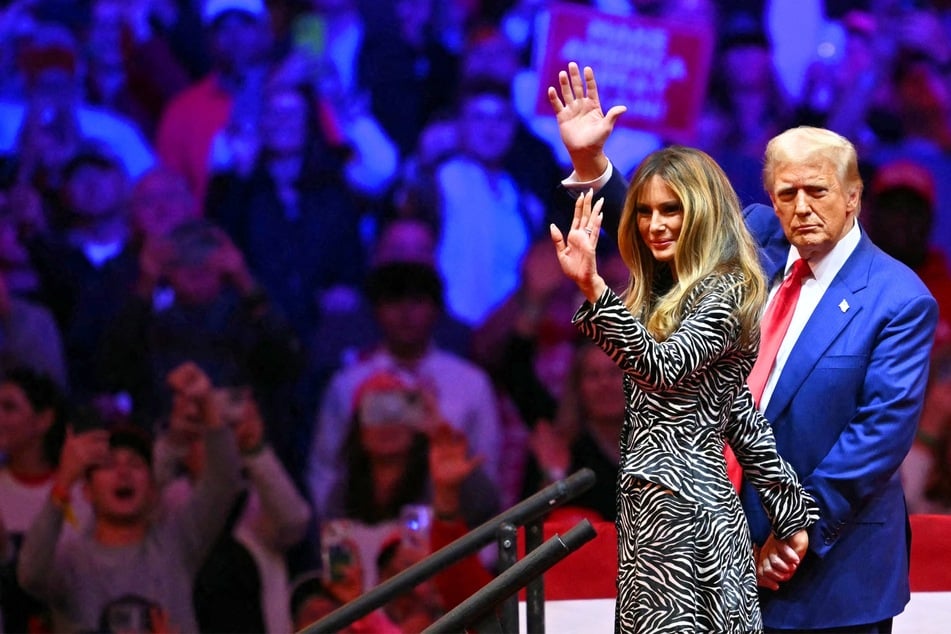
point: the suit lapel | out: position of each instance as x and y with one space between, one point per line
839 306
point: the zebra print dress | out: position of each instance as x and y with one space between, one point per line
684 551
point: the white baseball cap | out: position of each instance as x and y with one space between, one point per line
214 8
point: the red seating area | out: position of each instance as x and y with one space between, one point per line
589 572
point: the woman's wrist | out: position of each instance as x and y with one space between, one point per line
594 289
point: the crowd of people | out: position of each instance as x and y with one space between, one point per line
278 300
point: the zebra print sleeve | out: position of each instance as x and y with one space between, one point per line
787 504
707 330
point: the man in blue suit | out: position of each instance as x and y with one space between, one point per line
846 390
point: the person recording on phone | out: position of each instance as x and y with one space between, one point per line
845 391
139 564
244 584
407 303
387 467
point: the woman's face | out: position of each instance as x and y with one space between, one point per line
660 216
386 441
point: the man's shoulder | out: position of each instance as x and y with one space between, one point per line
887 272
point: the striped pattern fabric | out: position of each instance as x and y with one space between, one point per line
685 560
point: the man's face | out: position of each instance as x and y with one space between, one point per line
407 323
121 490
488 126
195 284
600 385
238 41
96 191
814 207
160 202
283 124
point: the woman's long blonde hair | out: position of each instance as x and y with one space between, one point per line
713 239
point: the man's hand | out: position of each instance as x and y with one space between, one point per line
153 261
231 265
193 395
80 452
778 560
550 448
583 126
249 429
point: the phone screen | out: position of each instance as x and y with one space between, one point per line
392 407
308 34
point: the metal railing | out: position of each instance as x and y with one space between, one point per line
529 513
478 610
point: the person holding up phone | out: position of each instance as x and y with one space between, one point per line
131 549
387 467
244 582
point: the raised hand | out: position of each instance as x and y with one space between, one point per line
583 126
576 251
193 395
80 452
551 450
449 465
249 430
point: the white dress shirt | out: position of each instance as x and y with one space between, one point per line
824 270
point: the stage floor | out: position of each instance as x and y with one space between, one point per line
927 613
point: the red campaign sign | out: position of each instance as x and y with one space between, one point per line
657 68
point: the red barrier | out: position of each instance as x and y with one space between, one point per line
589 573
930 553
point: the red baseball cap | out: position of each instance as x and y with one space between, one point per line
905 173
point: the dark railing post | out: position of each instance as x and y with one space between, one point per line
508 555
530 509
482 603
535 592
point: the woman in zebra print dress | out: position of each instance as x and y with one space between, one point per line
686 336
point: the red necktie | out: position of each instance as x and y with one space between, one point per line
774 326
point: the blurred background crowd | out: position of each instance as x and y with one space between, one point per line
322 225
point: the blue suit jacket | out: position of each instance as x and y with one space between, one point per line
844 413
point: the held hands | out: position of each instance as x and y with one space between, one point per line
778 560
576 252
583 127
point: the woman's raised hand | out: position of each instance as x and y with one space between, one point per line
576 251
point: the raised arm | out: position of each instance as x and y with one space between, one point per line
584 130
583 126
